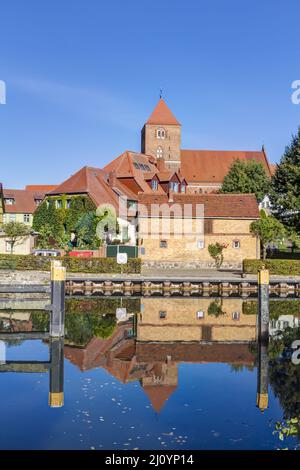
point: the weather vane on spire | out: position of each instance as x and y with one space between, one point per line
160 93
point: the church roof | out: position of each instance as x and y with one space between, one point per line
158 395
211 166
163 115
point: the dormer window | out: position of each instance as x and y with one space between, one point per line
154 185
10 201
174 186
159 152
38 201
161 133
183 188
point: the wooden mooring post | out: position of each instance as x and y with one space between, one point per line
263 304
58 286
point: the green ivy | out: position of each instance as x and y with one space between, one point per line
60 222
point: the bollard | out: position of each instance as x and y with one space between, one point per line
262 398
58 285
263 304
56 393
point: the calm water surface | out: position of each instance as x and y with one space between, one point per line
148 374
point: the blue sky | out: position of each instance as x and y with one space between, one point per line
82 76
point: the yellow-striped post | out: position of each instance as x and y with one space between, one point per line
58 285
263 304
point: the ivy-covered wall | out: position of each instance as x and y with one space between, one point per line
57 216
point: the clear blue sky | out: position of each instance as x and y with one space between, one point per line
82 77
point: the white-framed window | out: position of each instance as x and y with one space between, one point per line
183 188
200 314
236 244
12 217
163 244
161 133
154 185
68 204
38 201
200 244
58 204
159 152
235 316
162 314
26 218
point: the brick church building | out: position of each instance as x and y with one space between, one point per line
204 170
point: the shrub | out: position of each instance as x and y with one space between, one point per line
73 265
216 252
276 266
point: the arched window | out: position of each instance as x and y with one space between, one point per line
161 133
159 152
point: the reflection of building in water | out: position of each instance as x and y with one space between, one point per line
283 322
198 319
14 322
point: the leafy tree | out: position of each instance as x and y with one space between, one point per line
284 379
16 232
268 230
216 252
246 177
215 308
294 239
85 230
285 193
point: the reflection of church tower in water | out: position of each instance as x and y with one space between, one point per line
56 393
262 399
161 382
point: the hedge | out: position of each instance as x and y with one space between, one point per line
277 308
284 267
73 265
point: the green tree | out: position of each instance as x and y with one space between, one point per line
16 232
216 252
268 230
246 177
285 193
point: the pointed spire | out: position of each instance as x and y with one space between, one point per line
162 115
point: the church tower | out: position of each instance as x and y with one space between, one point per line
161 136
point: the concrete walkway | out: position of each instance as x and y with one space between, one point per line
181 274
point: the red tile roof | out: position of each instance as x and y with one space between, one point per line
211 166
40 187
239 206
91 181
162 115
125 167
25 200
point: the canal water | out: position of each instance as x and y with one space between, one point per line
150 373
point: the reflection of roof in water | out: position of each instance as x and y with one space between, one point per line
158 395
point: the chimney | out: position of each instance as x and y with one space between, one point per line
112 178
